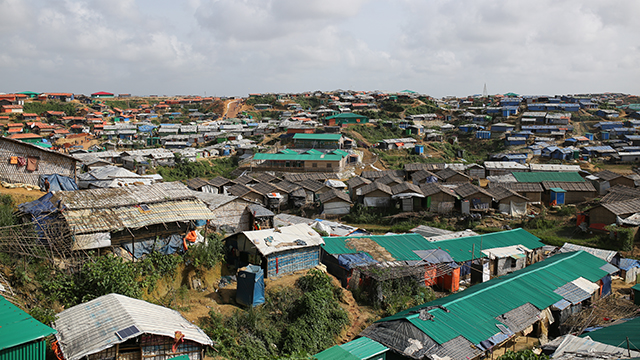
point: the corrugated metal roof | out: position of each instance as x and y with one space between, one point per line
573 347
323 137
472 313
569 186
428 231
122 196
623 207
298 157
402 246
540 176
91 327
606 255
132 217
17 327
617 334
284 238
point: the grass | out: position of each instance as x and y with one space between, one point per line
373 134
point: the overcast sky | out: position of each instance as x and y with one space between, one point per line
236 47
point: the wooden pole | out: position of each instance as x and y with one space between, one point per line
628 349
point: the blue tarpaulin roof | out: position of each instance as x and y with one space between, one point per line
627 264
58 182
349 261
250 286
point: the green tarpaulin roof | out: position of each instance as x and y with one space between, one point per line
402 246
17 327
325 137
616 335
540 176
472 312
298 157
358 349
347 116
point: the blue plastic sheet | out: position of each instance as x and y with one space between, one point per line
606 285
250 286
349 261
169 245
58 183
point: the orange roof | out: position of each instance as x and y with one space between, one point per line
25 136
12 106
73 136
61 131
52 112
15 130
15 124
60 94
29 114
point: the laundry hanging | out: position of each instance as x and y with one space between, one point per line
32 163
22 161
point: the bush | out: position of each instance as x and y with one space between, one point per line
522 355
207 254
292 322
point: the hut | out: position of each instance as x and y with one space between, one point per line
21 162
356 183
576 192
335 202
229 213
375 195
134 217
24 336
473 198
200 184
508 201
449 175
115 326
277 251
439 199
531 191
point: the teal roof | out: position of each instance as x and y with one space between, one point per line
616 335
17 327
636 287
402 246
472 313
347 116
298 157
288 151
358 349
558 190
313 152
540 176
324 137
340 152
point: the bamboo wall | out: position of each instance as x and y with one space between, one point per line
49 163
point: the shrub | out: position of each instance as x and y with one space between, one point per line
522 355
207 254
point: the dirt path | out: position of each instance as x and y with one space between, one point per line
232 108
21 195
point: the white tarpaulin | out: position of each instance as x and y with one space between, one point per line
513 209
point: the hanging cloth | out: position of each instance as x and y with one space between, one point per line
22 161
32 163
13 160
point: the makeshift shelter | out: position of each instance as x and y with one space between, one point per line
629 269
57 183
439 199
508 201
250 286
230 213
466 324
335 202
113 177
619 334
200 184
129 216
277 251
120 327
359 349
22 336
375 195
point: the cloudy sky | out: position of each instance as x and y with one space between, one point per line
234 47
